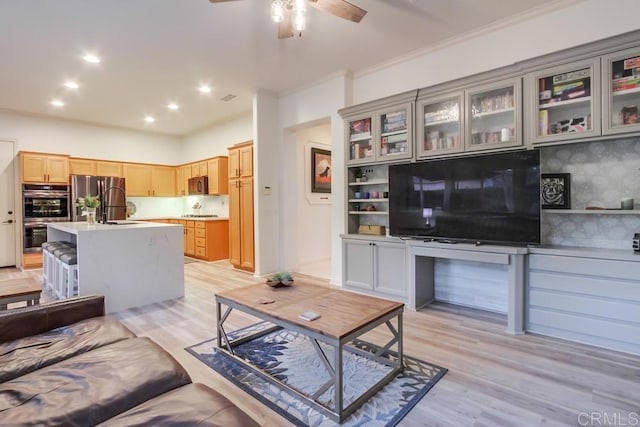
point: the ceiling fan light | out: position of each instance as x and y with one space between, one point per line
299 6
277 11
299 22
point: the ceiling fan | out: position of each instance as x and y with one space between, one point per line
290 14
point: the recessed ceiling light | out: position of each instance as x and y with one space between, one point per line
91 58
173 106
57 103
71 84
149 119
205 89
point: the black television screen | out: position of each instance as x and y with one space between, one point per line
492 198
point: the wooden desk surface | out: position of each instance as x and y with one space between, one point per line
17 287
341 312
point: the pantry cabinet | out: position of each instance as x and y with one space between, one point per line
241 222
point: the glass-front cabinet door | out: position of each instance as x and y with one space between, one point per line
566 101
361 143
395 127
621 91
440 125
494 115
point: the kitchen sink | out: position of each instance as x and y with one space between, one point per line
120 222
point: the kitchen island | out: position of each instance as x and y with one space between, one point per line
131 263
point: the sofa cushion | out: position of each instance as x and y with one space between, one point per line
27 354
189 405
91 387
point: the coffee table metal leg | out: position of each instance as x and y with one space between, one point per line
338 381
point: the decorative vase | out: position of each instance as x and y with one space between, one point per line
91 216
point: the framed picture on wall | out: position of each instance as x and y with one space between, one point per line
320 170
555 191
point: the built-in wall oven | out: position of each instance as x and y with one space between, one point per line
42 204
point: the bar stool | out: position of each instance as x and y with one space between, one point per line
57 270
69 274
48 261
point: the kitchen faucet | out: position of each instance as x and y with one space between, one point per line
104 207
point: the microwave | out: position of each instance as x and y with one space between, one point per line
199 185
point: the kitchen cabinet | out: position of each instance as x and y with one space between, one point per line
44 168
241 160
565 102
190 238
198 169
95 167
107 168
212 240
183 174
149 180
82 167
376 267
241 222
218 172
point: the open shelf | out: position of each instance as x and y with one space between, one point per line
368 213
367 200
370 182
626 92
594 211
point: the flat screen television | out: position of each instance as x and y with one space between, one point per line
493 198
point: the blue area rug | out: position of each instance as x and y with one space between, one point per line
291 358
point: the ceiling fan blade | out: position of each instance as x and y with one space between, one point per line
340 8
285 28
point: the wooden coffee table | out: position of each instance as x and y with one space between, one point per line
16 290
344 317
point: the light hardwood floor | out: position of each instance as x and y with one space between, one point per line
494 379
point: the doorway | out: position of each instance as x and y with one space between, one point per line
7 205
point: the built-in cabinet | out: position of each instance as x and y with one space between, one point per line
621 91
241 222
383 135
480 117
367 198
376 266
565 101
44 168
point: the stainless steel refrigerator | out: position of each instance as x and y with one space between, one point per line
109 189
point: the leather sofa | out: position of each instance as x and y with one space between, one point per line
65 363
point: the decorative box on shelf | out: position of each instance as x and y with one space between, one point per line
376 230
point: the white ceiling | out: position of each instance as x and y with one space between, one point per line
157 51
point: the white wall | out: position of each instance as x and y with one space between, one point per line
301 109
311 253
82 140
214 141
581 23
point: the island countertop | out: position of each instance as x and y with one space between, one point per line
81 227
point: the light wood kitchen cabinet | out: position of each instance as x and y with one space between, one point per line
137 179
95 167
149 180
198 169
82 167
106 168
163 180
217 171
190 238
241 160
183 174
44 168
212 240
241 223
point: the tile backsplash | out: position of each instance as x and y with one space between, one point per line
602 173
155 207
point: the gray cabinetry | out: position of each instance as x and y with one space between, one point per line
621 91
564 102
375 266
585 296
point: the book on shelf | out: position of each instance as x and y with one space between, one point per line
543 120
361 135
362 126
392 139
